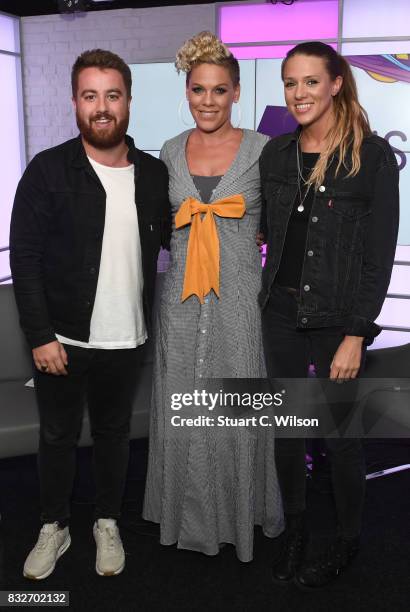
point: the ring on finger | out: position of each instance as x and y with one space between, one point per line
44 368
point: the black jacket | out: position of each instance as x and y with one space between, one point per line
56 235
351 238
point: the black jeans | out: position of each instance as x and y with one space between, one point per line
289 352
106 381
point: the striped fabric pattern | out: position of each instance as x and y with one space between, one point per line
211 485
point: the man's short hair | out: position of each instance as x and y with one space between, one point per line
100 58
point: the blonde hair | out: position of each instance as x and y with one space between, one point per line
206 48
351 124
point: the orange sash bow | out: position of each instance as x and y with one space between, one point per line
202 260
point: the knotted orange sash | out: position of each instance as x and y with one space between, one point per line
202 260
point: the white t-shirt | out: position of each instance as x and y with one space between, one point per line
117 320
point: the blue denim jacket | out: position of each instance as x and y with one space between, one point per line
351 238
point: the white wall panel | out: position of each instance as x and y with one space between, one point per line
379 47
9 34
10 151
395 312
390 338
375 18
400 281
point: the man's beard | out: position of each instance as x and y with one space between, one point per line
104 138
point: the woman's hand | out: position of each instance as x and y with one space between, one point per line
347 359
260 240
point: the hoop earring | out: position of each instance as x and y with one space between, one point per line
238 106
180 115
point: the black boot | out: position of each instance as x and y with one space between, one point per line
329 565
291 557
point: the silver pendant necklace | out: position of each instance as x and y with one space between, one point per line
301 180
301 207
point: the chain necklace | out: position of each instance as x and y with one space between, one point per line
301 180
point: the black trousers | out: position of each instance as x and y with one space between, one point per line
289 352
106 381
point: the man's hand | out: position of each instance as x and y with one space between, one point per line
347 359
51 358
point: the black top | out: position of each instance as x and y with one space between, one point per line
290 268
205 185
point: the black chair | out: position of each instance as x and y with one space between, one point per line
381 414
19 421
385 410
2 577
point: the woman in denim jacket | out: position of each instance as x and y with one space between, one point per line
330 220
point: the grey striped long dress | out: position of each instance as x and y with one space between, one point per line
211 485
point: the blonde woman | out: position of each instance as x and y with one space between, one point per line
330 220
210 485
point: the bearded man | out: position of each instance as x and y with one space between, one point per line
88 221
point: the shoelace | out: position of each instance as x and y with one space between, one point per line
43 540
111 538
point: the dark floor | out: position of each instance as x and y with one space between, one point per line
164 578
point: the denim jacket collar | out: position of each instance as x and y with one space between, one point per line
288 139
79 156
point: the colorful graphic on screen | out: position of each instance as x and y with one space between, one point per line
384 68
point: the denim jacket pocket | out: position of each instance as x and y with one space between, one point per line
351 205
351 211
347 219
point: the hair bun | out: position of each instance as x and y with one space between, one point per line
204 47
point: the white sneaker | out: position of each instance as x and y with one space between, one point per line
51 544
110 552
